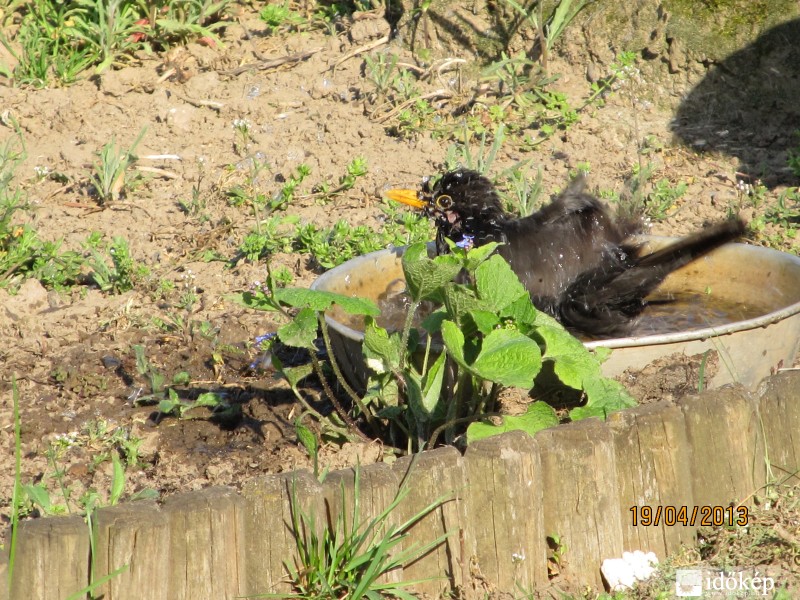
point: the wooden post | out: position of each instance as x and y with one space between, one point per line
653 470
377 491
504 530
52 559
206 541
270 542
581 506
779 407
136 535
433 474
727 444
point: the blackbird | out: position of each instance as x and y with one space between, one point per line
578 262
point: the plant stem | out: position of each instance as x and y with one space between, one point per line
412 310
336 404
340 377
468 419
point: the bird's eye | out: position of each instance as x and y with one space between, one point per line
444 202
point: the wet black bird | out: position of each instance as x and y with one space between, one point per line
578 262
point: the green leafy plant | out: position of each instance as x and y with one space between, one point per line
481 160
551 27
331 246
309 441
60 40
349 557
109 174
216 403
22 253
382 72
170 403
355 168
122 274
278 16
492 336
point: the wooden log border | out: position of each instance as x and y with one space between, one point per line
505 496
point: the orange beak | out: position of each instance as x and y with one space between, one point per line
409 197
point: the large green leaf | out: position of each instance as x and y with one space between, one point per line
320 300
459 299
509 358
485 321
454 342
424 393
302 331
381 349
538 416
522 311
497 284
603 396
560 342
425 276
477 255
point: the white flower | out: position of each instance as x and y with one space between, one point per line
623 573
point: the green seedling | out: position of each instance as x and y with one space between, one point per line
122 274
109 177
280 16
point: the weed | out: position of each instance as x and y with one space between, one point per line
524 192
241 142
22 253
123 274
179 21
557 550
777 225
168 400
220 408
351 555
108 178
660 202
278 16
289 187
382 72
197 204
154 377
461 154
549 29
105 28
309 441
657 204
60 40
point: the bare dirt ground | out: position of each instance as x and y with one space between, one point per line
72 353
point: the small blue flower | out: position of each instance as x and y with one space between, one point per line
260 339
467 242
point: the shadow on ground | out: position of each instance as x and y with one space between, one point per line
748 106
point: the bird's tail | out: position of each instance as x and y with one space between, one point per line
602 302
689 248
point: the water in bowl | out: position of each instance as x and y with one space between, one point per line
667 313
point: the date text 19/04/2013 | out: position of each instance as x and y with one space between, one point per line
703 516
